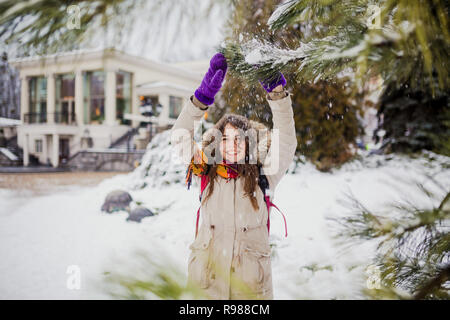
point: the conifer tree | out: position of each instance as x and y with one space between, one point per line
413 245
51 26
406 42
325 112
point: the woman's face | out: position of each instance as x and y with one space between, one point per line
232 145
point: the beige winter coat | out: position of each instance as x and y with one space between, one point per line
231 256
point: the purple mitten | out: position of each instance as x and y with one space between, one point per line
272 83
212 81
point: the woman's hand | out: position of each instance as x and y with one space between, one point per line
212 81
270 84
279 88
275 88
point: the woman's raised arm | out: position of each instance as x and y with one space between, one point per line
283 137
182 132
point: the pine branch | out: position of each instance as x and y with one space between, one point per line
40 26
433 284
258 60
413 247
404 49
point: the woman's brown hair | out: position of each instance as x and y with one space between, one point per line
248 171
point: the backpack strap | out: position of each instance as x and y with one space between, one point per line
271 204
264 185
203 183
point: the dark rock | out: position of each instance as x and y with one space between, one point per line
139 213
117 200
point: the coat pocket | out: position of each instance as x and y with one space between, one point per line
199 262
256 268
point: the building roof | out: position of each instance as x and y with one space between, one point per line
79 55
165 85
8 122
200 66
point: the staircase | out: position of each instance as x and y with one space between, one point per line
120 155
13 147
125 141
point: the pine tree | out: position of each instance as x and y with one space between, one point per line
327 123
41 27
239 96
406 42
413 245
398 39
51 26
414 120
325 112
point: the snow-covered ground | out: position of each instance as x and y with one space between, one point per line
41 237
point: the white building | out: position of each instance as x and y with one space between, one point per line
70 98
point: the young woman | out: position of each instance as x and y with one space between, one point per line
230 256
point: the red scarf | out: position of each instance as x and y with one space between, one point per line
232 169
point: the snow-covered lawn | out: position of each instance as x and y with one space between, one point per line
41 236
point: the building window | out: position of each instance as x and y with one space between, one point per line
94 96
38 145
175 104
123 95
38 99
65 98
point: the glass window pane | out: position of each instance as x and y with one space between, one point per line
68 86
38 145
32 94
65 90
123 95
37 98
94 96
175 105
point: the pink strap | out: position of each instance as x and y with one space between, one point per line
203 183
196 224
270 204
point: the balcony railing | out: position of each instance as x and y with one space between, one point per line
65 117
35 117
58 117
